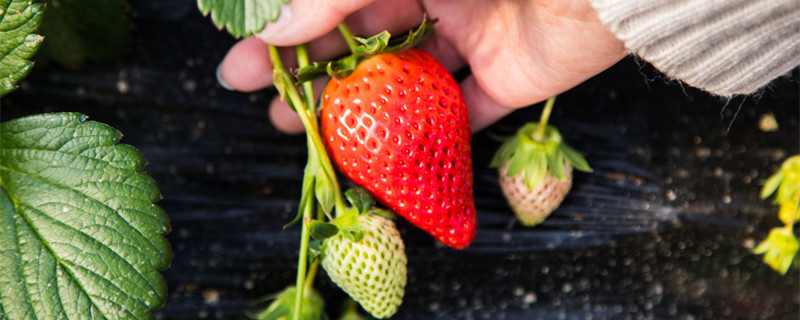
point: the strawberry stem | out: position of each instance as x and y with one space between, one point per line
304 106
538 136
302 264
348 37
308 88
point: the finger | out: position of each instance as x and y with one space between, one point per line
304 20
284 118
246 66
445 52
483 110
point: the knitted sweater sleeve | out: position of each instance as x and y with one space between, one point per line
726 47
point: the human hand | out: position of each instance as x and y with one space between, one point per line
519 52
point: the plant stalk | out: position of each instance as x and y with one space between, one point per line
304 105
348 37
308 87
538 136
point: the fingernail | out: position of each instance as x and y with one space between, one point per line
221 80
277 25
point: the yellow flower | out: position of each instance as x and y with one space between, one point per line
789 210
779 249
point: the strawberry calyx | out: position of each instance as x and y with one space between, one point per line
534 150
362 203
369 47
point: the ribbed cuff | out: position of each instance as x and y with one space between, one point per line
726 47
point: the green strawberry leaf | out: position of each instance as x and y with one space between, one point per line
80 234
320 230
19 20
241 18
81 30
360 199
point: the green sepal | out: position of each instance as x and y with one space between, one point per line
370 47
360 199
536 170
555 161
575 158
312 71
349 225
343 67
534 158
320 230
282 306
373 45
522 157
506 151
315 249
383 213
413 38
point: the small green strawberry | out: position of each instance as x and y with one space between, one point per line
369 264
535 170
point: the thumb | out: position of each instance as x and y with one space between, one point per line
304 20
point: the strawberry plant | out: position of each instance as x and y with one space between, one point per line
381 98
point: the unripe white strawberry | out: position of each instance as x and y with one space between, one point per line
533 206
535 172
373 270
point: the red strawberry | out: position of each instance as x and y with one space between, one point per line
398 126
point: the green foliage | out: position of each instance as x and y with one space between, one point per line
283 307
19 20
360 199
320 230
81 30
80 234
534 158
241 18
